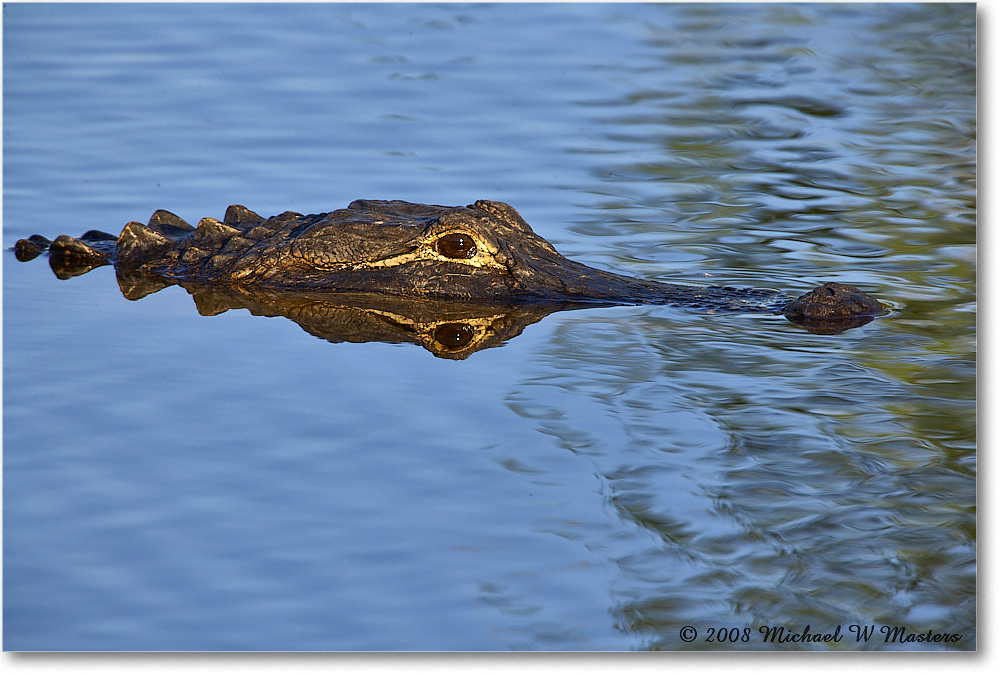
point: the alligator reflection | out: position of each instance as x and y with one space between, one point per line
446 329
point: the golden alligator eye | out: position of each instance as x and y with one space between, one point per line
456 245
454 336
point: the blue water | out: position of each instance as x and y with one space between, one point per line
184 482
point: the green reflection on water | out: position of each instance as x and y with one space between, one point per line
835 479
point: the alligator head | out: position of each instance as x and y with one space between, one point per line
484 252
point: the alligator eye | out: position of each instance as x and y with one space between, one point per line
454 336
456 245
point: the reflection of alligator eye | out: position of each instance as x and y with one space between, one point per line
456 245
454 336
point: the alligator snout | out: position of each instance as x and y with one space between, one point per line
833 308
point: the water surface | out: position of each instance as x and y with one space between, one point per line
184 482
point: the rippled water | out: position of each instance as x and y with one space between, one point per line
602 481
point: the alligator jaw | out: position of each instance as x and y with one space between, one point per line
826 310
565 279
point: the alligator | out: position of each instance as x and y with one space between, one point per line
484 253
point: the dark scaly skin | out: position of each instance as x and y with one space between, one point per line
482 253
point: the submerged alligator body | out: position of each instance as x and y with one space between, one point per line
484 253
